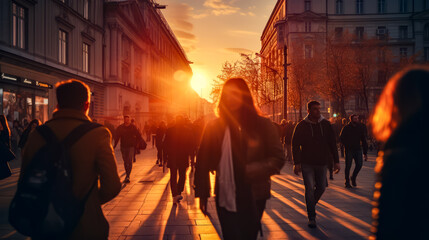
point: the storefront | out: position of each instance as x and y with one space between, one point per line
23 99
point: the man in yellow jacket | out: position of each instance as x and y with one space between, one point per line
92 157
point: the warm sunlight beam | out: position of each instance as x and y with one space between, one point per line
199 82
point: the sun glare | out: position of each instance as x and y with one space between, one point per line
198 82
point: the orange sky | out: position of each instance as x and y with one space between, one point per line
215 31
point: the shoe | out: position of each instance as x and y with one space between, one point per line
331 177
348 185
353 181
157 162
127 180
312 223
177 198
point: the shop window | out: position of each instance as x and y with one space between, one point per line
41 108
19 26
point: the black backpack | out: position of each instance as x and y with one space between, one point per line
44 205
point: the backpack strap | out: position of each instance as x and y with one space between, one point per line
78 132
47 133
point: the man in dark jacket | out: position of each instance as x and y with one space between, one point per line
352 136
178 146
313 145
128 134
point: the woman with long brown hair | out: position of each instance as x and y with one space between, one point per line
400 121
244 149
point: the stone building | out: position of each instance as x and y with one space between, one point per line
147 73
42 43
304 26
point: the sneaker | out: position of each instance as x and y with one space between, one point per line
312 223
353 181
127 180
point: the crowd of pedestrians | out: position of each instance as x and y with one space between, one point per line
243 149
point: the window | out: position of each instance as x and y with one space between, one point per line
403 4
86 9
425 4
403 32
307 26
308 51
62 46
339 7
338 33
19 28
359 6
426 51
403 53
359 33
426 32
307 5
381 33
381 6
85 57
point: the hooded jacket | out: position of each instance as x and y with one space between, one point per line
313 143
352 135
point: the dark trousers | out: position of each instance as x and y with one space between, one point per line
159 154
241 225
357 156
177 187
128 156
315 183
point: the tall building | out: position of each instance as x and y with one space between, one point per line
42 43
304 26
147 72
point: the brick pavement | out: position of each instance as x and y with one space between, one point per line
144 208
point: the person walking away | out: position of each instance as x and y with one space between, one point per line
178 147
288 140
159 143
31 126
16 132
6 153
400 121
313 146
93 163
244 150
353 139
128 134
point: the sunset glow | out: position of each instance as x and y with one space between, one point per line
199 83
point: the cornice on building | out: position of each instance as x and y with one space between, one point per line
271 18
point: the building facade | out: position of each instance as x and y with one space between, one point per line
304 26
42 43
147 73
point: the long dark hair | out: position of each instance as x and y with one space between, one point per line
5 126
248 113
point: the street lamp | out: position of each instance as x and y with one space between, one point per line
281 43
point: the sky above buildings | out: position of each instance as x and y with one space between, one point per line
215 31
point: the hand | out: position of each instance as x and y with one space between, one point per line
203 205
297 169
365 157
337 168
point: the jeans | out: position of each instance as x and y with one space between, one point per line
177 187
128 156
315 183
357 156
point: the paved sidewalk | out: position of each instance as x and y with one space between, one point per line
144 208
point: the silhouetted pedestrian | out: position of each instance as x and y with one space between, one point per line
128 134
401 207
31 126
159 143
313 146
6 153
353 138
245 150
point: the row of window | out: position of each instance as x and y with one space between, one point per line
382 32
381 6
86 5
19 37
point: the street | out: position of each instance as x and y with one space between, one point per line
144 208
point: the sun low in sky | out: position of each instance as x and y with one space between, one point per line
215 31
